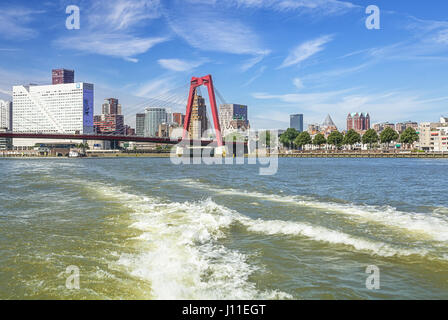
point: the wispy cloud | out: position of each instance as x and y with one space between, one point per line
180 65
298 83
14 23
322 7
111 26
306 50
257 75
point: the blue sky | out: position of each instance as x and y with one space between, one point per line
277 56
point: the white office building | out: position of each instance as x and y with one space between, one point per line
61 108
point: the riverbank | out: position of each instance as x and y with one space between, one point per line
373 155
401 155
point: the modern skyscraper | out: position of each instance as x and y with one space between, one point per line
296 122
198 121
62 76
233 117
154 117
60 108
5 115
140 124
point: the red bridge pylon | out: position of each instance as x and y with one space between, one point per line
208 82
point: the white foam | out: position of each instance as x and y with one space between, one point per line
432 225
179 254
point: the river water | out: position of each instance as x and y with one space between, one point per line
141 228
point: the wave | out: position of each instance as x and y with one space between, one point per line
434 226
179 254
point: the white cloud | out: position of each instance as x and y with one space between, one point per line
253 61
114 45
110 29
179 65
14 23
305 50
322 7
298 83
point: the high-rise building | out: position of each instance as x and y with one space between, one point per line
153 117
60 108
111 121
198 121
140 124
5 123
296 122
178 118
233 117
5 115
358 121
62 76
111 106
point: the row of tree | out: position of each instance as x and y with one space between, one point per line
293 139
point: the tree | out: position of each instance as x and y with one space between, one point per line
234 137
303 139
388 135
409 136
265 139
352 137
319 140
335 138
288 138
370 137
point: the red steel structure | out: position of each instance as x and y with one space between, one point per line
195 83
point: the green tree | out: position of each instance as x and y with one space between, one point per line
388 135
288 138
351 138
265 139
370 137
335 138
303 139
235 137
409 136
319 140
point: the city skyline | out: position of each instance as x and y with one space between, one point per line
289 64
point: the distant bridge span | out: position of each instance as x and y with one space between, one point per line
59 136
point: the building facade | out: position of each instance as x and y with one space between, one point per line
178 118
63 76
433 136
153 118
61 108
111 121
5 115
198 122
379 127
140 124
358 121
233 117
111 106
296 122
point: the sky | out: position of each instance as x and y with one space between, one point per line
279 57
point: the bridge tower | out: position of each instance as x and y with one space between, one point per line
195 83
